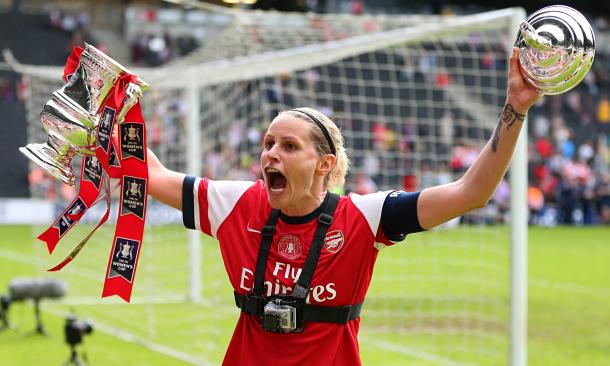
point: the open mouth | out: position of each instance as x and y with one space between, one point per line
275 180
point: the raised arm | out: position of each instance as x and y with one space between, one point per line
165 185
439 204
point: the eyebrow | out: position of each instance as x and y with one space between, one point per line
290 137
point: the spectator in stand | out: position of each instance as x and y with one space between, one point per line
603 112
7 91
55 19
357 7
535 200
602 195
139 48
501 201
186 45
155 50
364 184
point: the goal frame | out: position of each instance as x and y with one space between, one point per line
277 62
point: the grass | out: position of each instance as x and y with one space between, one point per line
569 296
426 293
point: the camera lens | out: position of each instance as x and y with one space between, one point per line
86 327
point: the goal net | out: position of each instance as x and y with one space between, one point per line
416 99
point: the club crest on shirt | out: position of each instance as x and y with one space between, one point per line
290 247
333 241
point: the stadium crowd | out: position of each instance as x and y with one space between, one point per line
569 158
149 49
569 135
76 24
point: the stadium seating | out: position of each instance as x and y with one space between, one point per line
35 44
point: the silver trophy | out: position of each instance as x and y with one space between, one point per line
72 116
557 47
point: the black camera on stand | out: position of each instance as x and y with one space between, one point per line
74 331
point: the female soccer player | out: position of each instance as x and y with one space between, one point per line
299 258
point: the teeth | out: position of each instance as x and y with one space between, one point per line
274 171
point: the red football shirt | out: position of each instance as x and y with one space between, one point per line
234 213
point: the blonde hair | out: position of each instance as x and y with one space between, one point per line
336 176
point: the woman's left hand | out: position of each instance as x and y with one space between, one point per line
520 95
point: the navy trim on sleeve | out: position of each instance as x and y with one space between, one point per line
399 215
188 211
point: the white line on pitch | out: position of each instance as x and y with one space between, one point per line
406 351
569 287
129 337
118 333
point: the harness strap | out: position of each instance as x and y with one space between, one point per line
263 252
301 288
337 314
254 303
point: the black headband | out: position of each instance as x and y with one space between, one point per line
322 127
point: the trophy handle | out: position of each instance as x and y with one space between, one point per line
533 39
132 95
54 157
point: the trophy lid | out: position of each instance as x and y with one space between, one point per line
112 65
557 48
94 79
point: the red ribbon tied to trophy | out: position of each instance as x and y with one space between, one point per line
120 152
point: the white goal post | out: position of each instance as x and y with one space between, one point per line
415 97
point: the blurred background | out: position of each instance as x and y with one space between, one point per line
416 97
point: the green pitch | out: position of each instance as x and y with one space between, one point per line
569 302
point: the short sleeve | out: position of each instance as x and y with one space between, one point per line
207 203
399 215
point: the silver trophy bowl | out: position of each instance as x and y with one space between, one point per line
557 47
72 116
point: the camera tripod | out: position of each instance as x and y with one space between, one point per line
73 360
4 305
4 324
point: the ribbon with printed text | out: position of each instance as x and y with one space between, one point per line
127 242
120 152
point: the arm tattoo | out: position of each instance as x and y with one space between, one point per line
509 116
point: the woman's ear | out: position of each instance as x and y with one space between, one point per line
325 164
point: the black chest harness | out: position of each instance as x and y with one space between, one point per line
286 313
